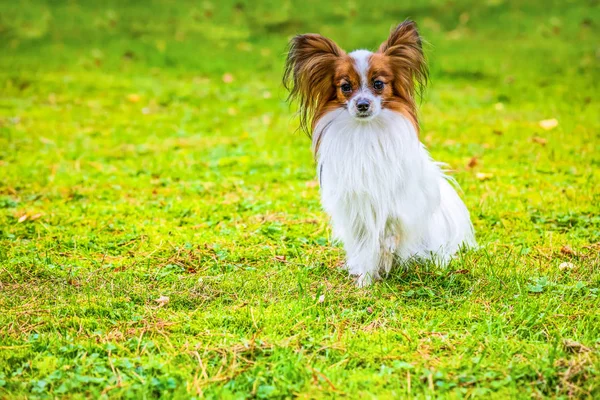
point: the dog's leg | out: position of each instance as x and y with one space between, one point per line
375 258
362 232
389 244
363 258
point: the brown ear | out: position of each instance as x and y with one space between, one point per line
309 73
404 47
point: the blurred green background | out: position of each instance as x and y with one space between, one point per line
160 226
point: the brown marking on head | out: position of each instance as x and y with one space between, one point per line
401 56
323 78
309 73
344 74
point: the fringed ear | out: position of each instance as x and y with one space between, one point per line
309 73
404 47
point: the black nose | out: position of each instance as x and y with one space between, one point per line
363 105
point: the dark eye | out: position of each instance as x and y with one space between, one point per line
346 87
378 85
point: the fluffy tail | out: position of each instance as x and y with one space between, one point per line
450 227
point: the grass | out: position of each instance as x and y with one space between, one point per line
160 226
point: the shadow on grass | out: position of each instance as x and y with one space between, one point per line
468 273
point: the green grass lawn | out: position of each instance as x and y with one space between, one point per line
160 226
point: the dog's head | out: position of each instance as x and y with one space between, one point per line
323 77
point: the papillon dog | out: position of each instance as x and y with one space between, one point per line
388 200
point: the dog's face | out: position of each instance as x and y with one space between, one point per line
325 78
362 85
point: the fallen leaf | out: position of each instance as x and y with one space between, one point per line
372 326
567 250
539 140
461 271
472 162
566 265
133 98
228 78
369 310
46 140
321 298
73 282
548 124
23 218
280 258
244 46
483 176
35 216
162 300
575 347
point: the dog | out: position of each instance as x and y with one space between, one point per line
388 200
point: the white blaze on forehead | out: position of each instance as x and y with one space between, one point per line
361 64
361 60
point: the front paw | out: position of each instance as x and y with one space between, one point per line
363 280
353 269
363 276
